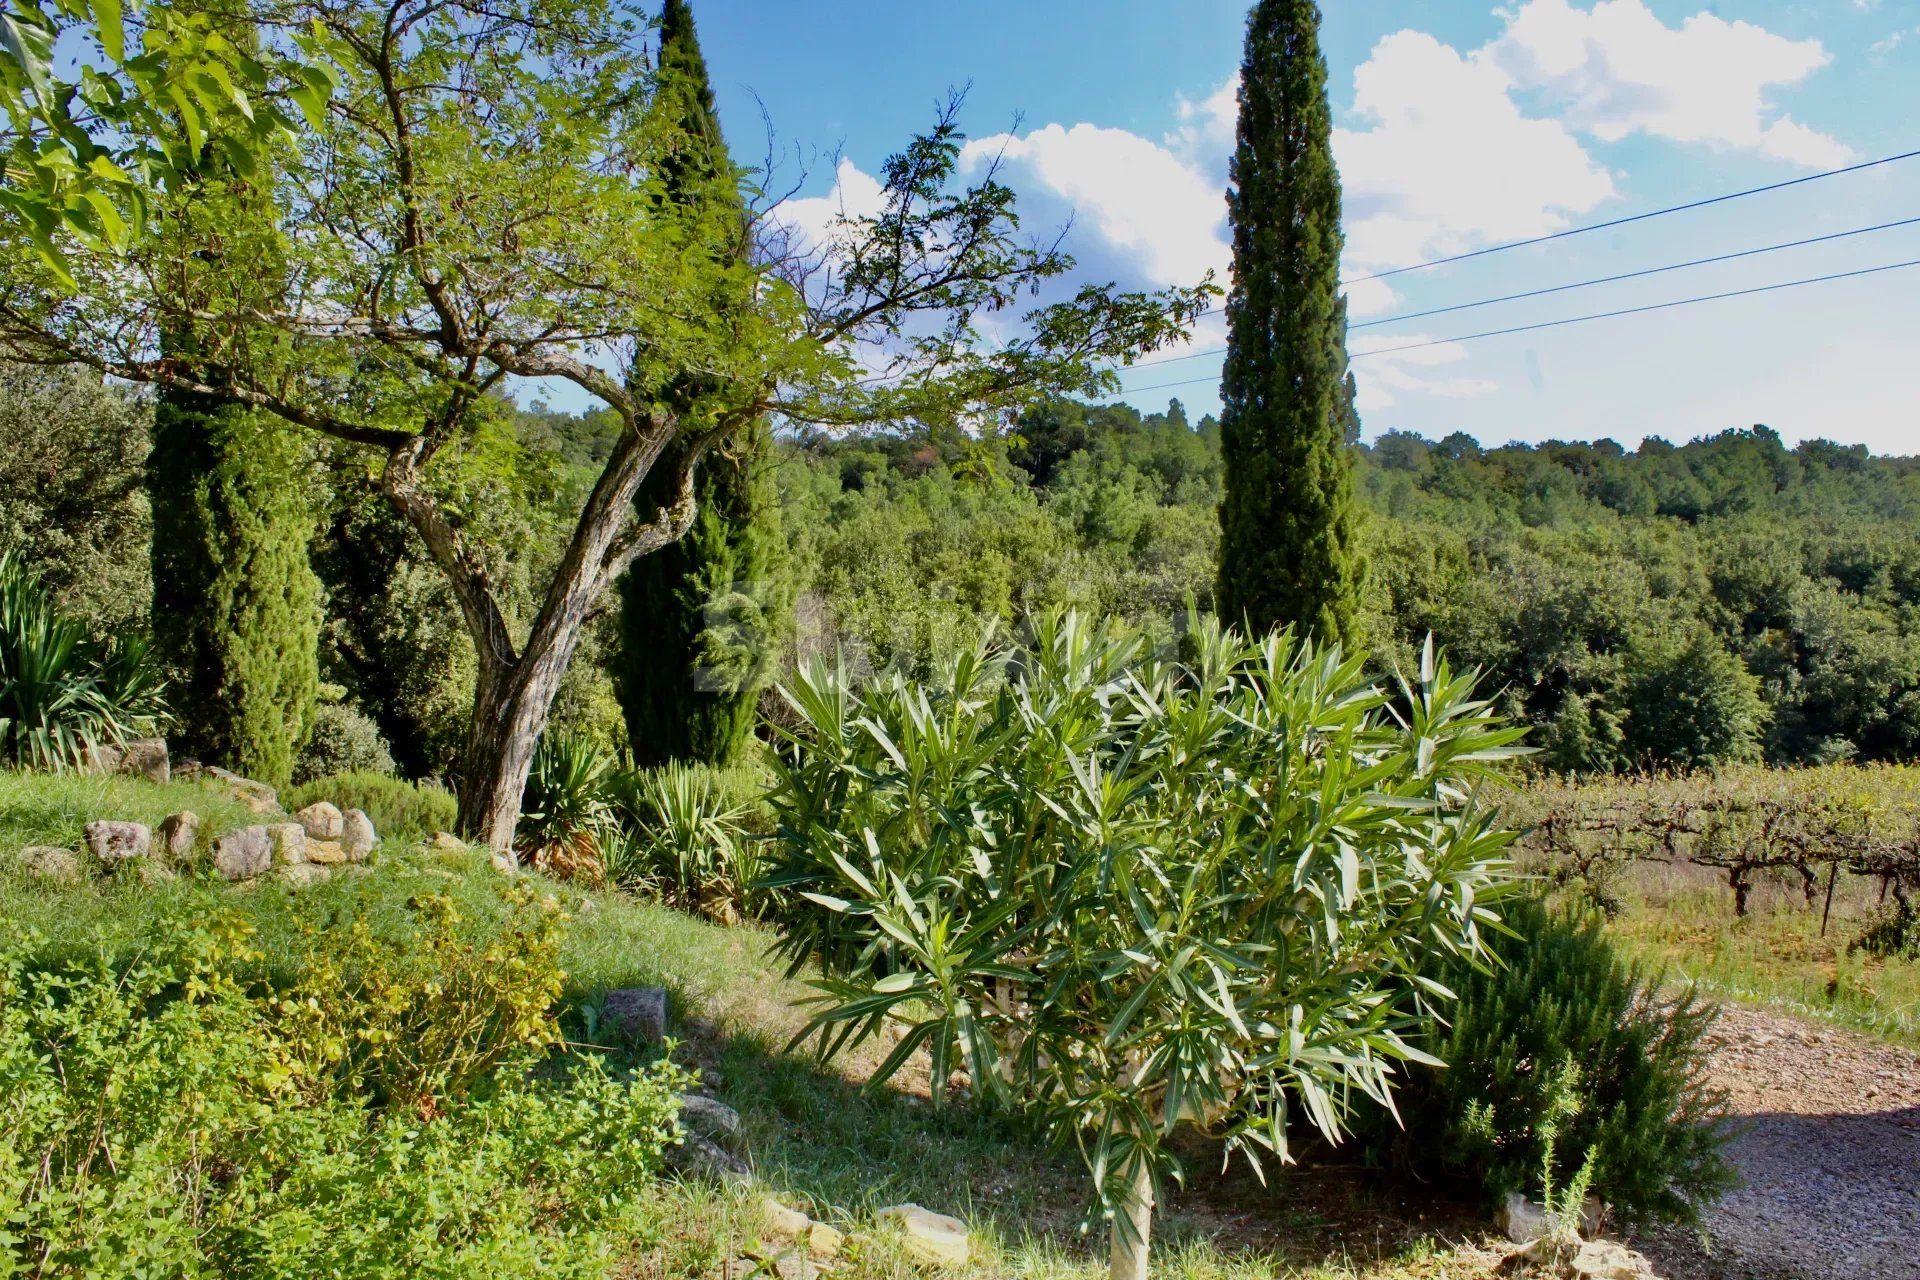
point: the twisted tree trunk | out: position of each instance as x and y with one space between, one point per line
510 709
513 695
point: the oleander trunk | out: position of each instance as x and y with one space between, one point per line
1132 1227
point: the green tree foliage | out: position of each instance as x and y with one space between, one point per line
508 210
1648 1118
73 494
393 638
701 620
236 605
1128 895
1549 567
1574 572
79 149
1290 551
1694 703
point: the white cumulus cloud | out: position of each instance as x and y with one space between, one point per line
1615 70
1445 150
1444 160
1142 201
1207 126
816 220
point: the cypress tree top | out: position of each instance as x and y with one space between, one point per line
1289 549
684 70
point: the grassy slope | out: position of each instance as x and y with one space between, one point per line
822 1141
1776 956
817 1137
52 809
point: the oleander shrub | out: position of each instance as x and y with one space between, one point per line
1128 895
401 811
172 1117
1560 997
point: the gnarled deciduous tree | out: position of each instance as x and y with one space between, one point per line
479 201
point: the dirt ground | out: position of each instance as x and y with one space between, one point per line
1830 1154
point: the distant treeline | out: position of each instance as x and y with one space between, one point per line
1673 605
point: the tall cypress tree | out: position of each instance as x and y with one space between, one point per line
236 606
1289 546
699 619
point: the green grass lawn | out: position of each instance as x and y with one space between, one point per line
1775 955
53 808
818 1137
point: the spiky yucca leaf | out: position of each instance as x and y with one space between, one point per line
62 694
565 813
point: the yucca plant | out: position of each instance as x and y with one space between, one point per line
566 813
1126 894
692 844
62 694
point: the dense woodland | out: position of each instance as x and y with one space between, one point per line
1724 599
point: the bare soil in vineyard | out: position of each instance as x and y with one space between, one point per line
1830 1151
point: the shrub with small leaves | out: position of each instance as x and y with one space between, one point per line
400 810
344 740
1498 1116
414 1025
167 1118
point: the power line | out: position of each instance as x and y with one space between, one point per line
1598 315
1635 275
1578 284
1637 217
1654 306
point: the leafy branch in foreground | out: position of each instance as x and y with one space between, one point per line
159 91
1127 894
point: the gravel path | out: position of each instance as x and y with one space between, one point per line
1830 1155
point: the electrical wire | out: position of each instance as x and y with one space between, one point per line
1636 217
1598 315
1578 284
1635 275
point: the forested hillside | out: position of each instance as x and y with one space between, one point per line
1727 598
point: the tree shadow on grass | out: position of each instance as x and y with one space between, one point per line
824 1140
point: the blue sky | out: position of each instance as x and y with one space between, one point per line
1458 125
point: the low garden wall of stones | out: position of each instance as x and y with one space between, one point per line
300 848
